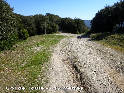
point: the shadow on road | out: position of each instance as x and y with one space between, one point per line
82 36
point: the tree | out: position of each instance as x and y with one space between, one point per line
80 27
39 23
8 30
108 18
69 25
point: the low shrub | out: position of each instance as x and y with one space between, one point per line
87 33
23 34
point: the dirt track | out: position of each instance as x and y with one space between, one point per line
85 64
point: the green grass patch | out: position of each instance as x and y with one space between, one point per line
38 59
23 65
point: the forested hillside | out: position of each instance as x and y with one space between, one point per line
109 19
108 26
15 27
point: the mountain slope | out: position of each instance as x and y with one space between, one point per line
87 23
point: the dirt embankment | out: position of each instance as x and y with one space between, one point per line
85 64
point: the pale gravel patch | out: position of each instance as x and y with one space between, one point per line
61 75
67 34
96 63
101 69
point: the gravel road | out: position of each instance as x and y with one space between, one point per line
83 66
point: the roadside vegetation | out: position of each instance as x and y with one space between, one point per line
15 27
115 41
107 26
24 64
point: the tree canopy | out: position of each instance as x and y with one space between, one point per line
109 19
8 30
14 27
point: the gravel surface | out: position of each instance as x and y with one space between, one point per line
85 64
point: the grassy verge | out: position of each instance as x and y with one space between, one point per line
115 41
23 65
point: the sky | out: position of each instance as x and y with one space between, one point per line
83 9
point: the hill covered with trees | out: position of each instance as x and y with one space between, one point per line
15 27
109 19
108 26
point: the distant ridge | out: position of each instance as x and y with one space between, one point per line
87 23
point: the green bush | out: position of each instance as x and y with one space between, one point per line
8 30
8 42
87 33
52 28
23 34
